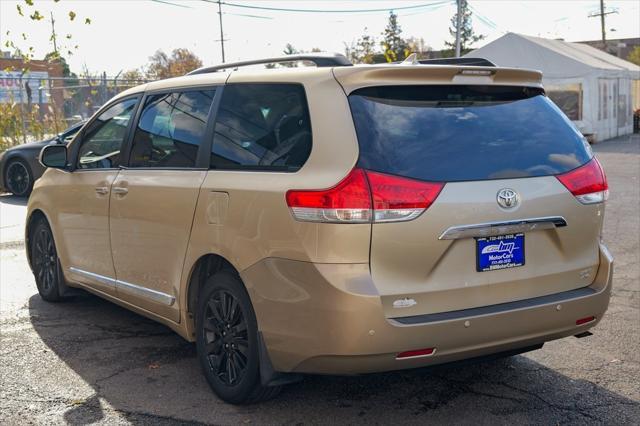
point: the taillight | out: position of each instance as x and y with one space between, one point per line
364 197
587 183
347 202
397 199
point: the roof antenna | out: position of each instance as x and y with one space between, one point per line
411 60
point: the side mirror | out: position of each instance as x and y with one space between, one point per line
54 156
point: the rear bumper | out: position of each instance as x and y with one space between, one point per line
328 319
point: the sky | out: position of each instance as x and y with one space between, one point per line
124 33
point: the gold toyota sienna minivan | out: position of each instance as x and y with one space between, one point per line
334 219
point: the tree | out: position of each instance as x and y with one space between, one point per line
22 46
634 55
56 58
394 47
179 63
418 46
467 34
288 50
17 122
363 51
133 76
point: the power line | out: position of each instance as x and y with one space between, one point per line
282 9
247 16
170 3
483 18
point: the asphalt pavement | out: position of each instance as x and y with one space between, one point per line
89 361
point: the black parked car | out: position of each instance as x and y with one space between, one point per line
19 165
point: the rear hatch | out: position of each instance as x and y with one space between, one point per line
513 198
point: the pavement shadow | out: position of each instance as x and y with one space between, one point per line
151 376
13 200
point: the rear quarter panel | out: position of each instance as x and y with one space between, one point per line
243 216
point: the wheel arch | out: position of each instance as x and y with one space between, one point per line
206 266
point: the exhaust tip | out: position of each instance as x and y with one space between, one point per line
583 334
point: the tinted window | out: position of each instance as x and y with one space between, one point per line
69 133
262 127
103 138
458 133
171 129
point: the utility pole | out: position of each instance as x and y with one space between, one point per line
221 33
53 35
458 25
602 14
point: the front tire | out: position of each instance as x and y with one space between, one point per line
18 178
45 261
227 341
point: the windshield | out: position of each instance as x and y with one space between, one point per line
459 133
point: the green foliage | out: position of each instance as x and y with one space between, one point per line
467 34
289 50
19 122
37 125
394 47
634 55
364 50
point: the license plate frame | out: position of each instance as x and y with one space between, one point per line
500 252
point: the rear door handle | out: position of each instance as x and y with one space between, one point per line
102 190
119 190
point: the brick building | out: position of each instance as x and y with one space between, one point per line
41 84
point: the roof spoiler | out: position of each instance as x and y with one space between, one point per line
477 62
320 60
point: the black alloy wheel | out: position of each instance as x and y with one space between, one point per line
44 258
18 178
226 338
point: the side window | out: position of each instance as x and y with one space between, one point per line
262 127
171 129
102 141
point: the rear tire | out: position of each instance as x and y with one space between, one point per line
227 341
18 178
45 262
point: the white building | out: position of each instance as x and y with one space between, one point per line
597 91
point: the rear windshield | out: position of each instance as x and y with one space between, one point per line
459 133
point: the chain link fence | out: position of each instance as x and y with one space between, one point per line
36 106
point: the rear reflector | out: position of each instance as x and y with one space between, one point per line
364 197
587 183
416 353
585 320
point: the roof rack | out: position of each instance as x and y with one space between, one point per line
319 59
479 62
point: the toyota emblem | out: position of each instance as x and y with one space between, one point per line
508 198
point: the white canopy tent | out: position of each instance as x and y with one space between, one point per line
597 91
